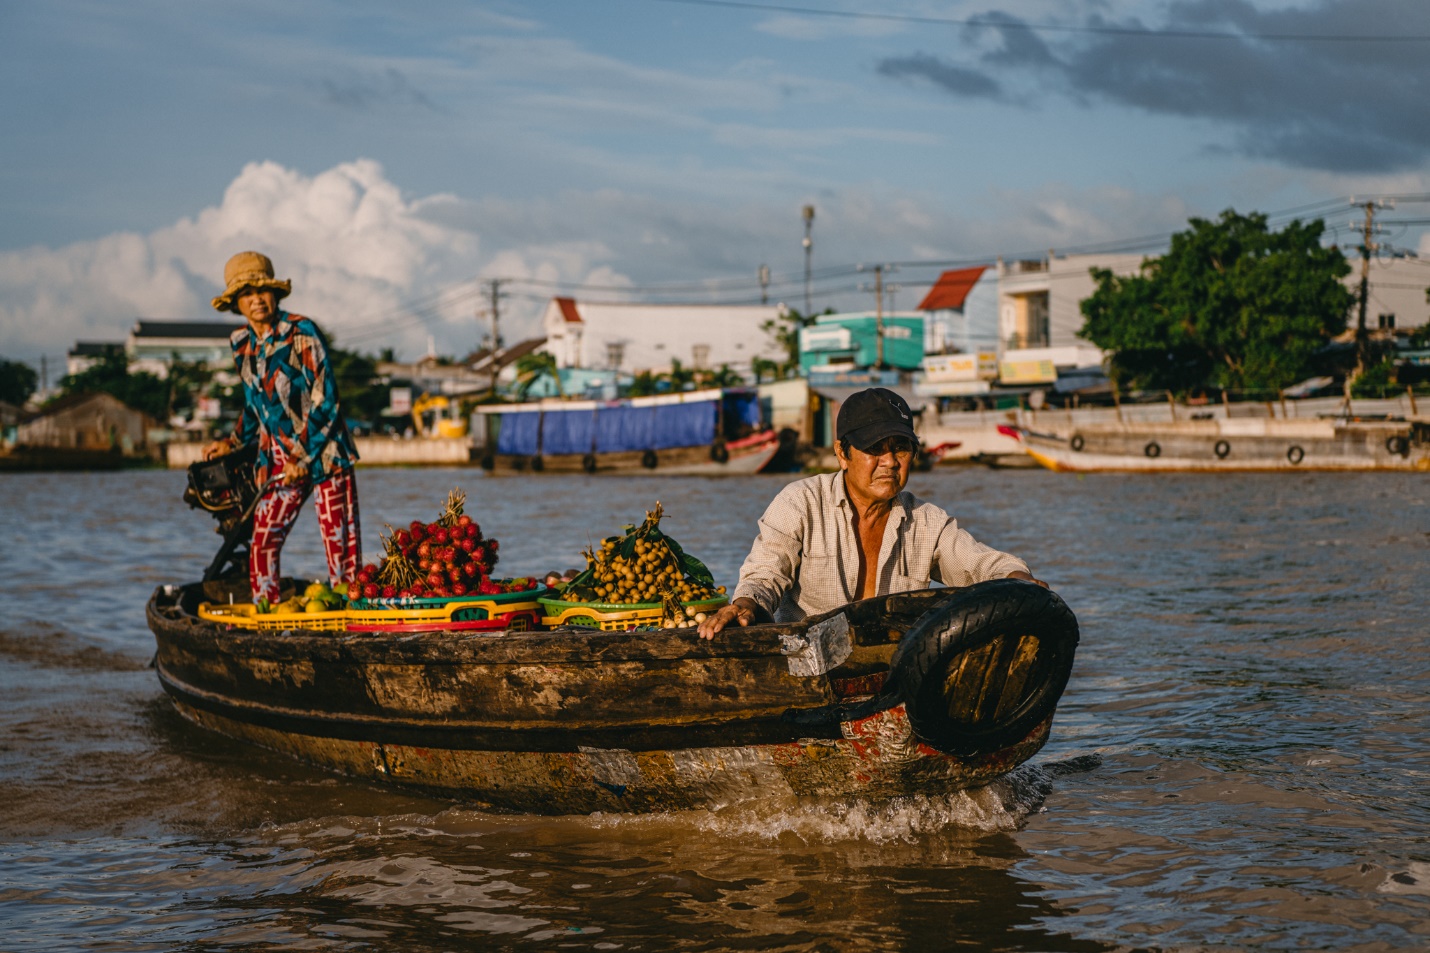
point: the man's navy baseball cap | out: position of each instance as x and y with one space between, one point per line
871 415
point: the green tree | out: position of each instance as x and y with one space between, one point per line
784 335
644 384
362 392
1232 305
110 375
18 381
530 368
723 377
679 376
761 366
186 382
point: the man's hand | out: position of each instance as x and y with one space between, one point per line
741 611
220 447
1026 576
294 472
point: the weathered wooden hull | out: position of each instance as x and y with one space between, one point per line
1235 445
579 720
742 460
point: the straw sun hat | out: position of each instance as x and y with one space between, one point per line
249 269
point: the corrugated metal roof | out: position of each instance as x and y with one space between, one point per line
951 290
568 310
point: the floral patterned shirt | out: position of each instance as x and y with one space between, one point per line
290 398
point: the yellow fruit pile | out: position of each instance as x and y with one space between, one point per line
642 567
318 597
645 577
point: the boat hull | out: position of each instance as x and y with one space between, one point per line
576 721
1235 445
741 459
880 759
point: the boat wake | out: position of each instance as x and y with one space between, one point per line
1004 805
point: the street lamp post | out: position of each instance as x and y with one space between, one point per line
808 249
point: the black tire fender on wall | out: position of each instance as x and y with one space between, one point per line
588 463
649 460
1222 449
1077 443
1032 626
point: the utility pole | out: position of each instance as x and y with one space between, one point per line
879 316
1366 249
494 290
764 284
808 249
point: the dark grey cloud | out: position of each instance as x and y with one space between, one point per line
954 79
1339 105
365 94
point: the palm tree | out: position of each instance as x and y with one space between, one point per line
724 377
532 367
679 376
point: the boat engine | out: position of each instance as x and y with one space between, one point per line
227 487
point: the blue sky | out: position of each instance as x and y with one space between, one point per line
390 156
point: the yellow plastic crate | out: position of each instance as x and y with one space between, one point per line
614 617
479 610
246 615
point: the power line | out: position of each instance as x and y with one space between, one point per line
1140 33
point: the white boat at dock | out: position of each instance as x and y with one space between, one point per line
1236 444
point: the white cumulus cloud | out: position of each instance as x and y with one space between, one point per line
373 267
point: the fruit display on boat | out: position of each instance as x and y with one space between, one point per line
645 567
317 597
446 558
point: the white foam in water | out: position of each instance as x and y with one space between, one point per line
1001 806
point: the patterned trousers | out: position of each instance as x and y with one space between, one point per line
337 505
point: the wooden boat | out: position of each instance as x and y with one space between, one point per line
697 433
1236 444
916 693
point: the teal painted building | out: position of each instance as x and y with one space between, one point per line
852 340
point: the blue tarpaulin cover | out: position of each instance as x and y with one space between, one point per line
567 431
744 409
617 428
518 434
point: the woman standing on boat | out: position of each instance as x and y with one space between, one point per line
290 410
855 534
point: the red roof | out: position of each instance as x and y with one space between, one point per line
568 310
951 289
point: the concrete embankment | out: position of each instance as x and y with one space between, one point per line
372 452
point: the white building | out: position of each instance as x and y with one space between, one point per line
152 345
647 337
1040 307
1040 301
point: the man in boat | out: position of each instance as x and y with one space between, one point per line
835 538
290 410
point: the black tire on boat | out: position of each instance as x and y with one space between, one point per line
1222 449
1397 445
1077 443
1153 449
537 464
719 452
986 666
488 461
649 460
1295 454
588 463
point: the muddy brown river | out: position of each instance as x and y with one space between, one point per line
1241 761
